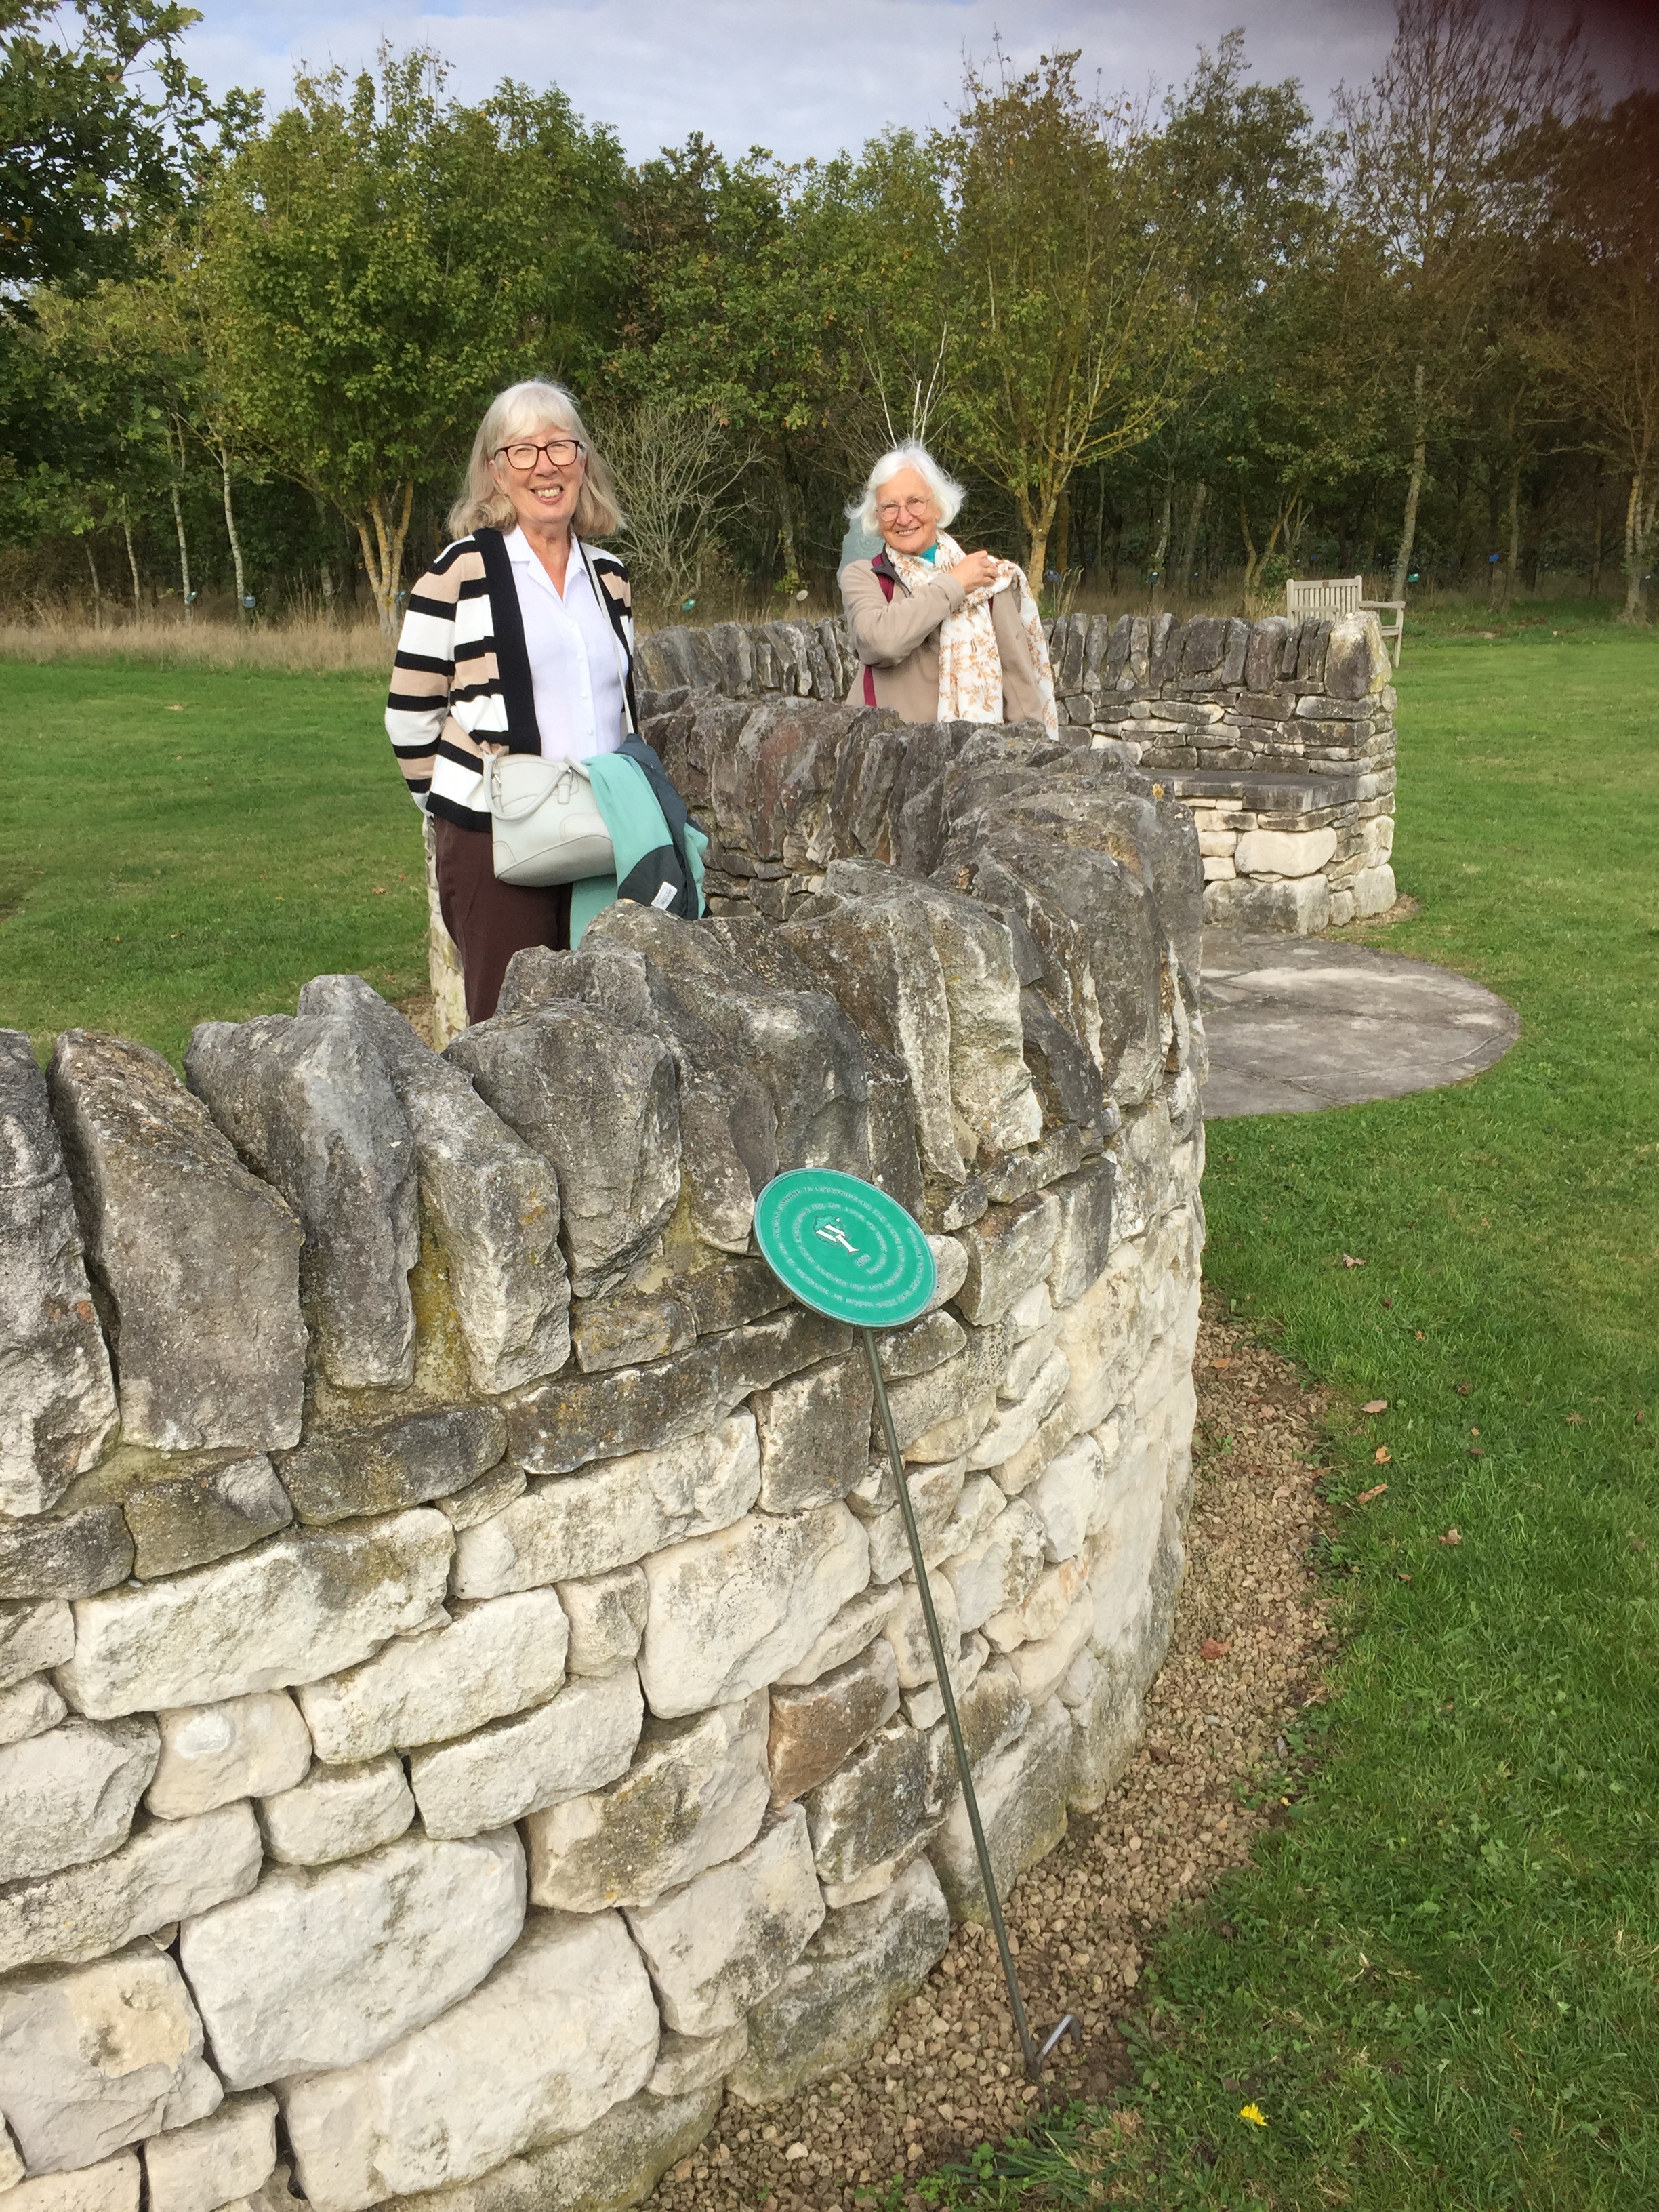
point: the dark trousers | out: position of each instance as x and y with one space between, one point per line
489 920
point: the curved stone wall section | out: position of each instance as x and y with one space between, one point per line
464 1704
1278 735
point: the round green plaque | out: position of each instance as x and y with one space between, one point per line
844 1248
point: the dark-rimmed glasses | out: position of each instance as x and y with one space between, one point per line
522 454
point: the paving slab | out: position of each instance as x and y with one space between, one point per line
1296 1024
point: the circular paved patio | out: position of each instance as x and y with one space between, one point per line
1296 1024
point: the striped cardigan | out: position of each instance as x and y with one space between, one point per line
462 673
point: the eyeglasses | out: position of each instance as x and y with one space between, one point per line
891 509
562 454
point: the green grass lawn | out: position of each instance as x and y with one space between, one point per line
185 845
1439 1984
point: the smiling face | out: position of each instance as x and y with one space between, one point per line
544 492
907 513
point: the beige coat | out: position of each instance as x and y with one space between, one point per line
900 642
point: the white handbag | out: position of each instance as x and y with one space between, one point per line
545 826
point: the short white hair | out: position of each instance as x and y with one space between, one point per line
948 494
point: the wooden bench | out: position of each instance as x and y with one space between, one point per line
1345 595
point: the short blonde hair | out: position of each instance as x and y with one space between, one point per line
948 494
522 411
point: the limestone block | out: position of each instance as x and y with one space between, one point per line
1342 910
338 1812
1041 1664
1022 1795
623 1331
981 1502
862 1965
1219 870
1216 844
956 1435
562 2029
576 1742
65 1554
1054 1437
597 1099
69 1795
308 1106
923 1706
1300 906
28 1708
1069 1499
606 1614
198 1262
951 1261
889 1793
493 1202
730 1612
697 1793
992 1710
935 1492
1008 1251
1374 891
1284 852
922 1344
319 1968
216 2160
1000 1569
1377 836
1143 1148
564 1424
1120 1556
1045 1605
615 2162
685 2063
165 1871
34 1637
95 2057
407 1460
718 1947
1084 1237
112 2185
1106 1729
11 2163
1356 657
728 1293
190 1520
1014 1426
245 1747
858 1622
811 1430
1028 1359
815 1728
299 1608
492 1658
906 1630
483 1499
1031 1310
613 1514
57 1395
920 1402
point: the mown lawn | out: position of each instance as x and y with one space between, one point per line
177 846
1439 1984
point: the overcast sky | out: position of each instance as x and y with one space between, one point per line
805 80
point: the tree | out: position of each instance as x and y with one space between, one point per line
384 260
88 160
1427 168
1070 332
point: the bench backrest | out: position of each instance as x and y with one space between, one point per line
1324 595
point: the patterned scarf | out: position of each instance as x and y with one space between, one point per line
969 664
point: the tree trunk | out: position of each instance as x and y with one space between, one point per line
1599 540
1415 485
183 551
132 563
1639 532
1063 534
380 535
231 532
1512 559
1189 538
97 591
1163 546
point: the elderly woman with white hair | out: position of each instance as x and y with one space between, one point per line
517 639
943 636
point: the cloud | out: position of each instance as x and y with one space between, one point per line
801 81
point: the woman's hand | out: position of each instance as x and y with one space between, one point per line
974 571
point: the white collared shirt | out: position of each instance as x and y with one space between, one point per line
572 647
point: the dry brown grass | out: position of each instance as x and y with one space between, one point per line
307 646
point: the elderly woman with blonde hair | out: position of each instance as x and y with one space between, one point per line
943 636
517 639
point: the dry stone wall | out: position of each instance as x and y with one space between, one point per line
465 1706
1278 735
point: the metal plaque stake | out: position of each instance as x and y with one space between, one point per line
846 1249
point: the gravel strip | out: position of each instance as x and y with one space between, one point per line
1249 1642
